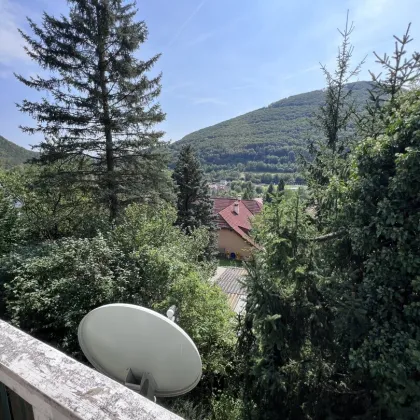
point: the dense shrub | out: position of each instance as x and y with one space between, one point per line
145 260
383 210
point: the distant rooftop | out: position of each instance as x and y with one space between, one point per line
231 281
236 214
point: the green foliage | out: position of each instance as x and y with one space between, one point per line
11 234
223 262
13 155
227 407
102 104
202 311
398 72
195 299
267 141
194 205
327 166
280 186
269 194
10 229
284 339
49 209
155 254
330 329
51 287
135 263
249 191
383 196
145 260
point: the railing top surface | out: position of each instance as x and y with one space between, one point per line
58 386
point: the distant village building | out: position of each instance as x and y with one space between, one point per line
216 188
234 224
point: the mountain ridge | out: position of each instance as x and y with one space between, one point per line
264 141
12 154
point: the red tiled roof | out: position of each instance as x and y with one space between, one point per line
254 206
229 219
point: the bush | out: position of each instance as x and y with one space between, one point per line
203 312
145 260
383 210
10 231
50 288
50 208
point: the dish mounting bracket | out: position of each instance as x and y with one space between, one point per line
145 385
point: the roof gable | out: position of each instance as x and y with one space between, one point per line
240 223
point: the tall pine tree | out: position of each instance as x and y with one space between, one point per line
194 205
100 106
398 73
269 194
297 370
249 191
329 151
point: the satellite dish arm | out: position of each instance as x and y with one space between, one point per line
145 386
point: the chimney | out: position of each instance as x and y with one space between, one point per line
236 207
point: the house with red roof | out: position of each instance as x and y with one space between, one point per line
234 223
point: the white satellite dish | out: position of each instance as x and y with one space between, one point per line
140 348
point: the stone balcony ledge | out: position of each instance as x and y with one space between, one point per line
59 387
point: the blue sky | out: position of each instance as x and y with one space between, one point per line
221 58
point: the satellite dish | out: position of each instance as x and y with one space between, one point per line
140 348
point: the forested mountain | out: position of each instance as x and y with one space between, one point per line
12 155
267 140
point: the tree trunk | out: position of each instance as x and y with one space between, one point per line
109 149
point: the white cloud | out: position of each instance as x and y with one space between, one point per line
11 45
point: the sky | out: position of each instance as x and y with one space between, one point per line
221 58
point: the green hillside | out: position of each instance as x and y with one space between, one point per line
263 141
12 155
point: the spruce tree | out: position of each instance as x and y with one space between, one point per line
399 72
9 222
383 215
297 369
249 191
285 329
269 194
329 152
194 205
100 106
280 186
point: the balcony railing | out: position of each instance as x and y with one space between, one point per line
39 382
